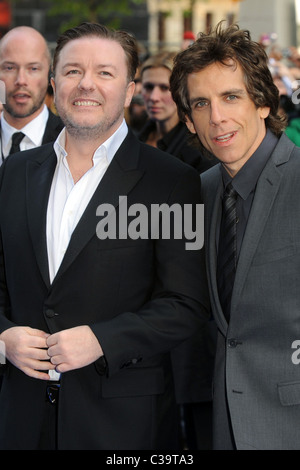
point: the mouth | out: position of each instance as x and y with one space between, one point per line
21 97
225 138
87 103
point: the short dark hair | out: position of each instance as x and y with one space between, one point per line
224 46
126 41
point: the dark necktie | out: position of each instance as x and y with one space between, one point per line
227 252
16 140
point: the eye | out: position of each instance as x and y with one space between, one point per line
201 104
148 87
105 73
72 72
8 68
231 98
34 69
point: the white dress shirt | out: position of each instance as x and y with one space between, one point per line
67 200
33 131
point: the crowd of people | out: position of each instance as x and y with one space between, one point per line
116 338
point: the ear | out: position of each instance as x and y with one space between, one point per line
52 82
264 112
190 125
129 94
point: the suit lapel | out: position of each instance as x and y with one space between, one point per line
119 179
212 227
53 127
39 174
265 194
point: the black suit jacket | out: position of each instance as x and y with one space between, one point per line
53 127
140 297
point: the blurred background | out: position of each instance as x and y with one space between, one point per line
158 23
172 25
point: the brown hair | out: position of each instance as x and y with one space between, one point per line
224 46
162 59
126 41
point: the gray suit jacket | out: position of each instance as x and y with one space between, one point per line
255 378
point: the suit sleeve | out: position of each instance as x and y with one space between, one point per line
4 297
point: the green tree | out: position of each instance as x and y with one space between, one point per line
104 11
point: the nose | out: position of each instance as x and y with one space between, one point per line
216 114
86 82
155 93
21 77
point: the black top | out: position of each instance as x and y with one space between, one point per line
176 143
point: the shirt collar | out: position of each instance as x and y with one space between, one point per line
107 149
245 180
34 130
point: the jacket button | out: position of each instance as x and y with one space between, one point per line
50 313
136 360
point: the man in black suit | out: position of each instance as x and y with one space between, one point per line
94 293
24 68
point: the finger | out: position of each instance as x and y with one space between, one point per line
39 365
36 374
57 360
37 332
36 342
39 354
52 340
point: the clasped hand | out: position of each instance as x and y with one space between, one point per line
35 352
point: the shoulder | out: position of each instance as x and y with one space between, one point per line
211 176
54 125
54 119
152 159
19 160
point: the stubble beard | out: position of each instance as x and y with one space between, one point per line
88 132
36 105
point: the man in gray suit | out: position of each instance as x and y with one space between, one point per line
225 93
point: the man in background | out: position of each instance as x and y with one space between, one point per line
25 69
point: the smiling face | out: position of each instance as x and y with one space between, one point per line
91 87
24 68
223 115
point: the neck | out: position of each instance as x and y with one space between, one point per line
163 127
81 149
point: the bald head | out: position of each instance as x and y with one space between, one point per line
24 68
28 36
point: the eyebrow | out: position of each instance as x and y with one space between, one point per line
234 91
11 62
76 64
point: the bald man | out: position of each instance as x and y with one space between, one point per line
25 62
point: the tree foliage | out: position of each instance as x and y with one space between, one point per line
103 11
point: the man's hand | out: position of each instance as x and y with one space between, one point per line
26 348
73 348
